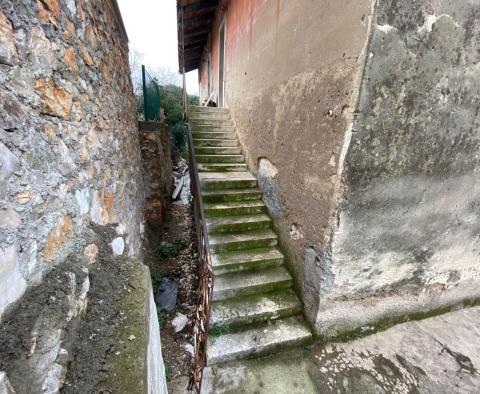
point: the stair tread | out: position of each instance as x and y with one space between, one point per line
230 191
239 237
213 139
257 340
246 279
222 155
250 255
232 205
248 308
239 166
226 176
238 219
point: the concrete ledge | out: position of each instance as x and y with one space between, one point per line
137 365
344 320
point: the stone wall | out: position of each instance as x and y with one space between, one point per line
68 136
71 188
157 170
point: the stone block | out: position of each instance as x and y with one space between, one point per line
60 234
8 50
12 283
56 100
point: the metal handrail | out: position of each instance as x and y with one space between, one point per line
205 288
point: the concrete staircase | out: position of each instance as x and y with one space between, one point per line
254 310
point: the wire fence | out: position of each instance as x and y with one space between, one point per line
151 96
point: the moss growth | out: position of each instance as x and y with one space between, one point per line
170 249
161 315
388 322
220 330
156 278
168 372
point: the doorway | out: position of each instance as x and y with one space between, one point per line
221 67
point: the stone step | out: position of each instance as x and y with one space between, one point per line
250 282
242 241
221 167
233 224
220 159
196 116
211 135
213 129
216 142
255 308
211 123
223 180
259 340
217 150
202 109
244 260
234 208
231 195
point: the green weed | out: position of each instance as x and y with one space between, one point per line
170 249
219 330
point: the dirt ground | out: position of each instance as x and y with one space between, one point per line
176 347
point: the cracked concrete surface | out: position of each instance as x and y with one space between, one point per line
436 355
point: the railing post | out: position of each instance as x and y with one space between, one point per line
144 86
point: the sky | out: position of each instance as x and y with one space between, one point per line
152 31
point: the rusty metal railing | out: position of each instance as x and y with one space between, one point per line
205 287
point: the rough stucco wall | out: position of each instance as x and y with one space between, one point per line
68 137
408 235
291 72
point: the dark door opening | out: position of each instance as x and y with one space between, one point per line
221 67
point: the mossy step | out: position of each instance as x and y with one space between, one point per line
220 159
213 129
231 195
250 282
232 224
211 135
234 208
217 150
255 308
221 167
245 260
259 340
224 180
194 116
216 142
210 123
242 241
201 108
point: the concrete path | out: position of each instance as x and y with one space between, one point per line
436 355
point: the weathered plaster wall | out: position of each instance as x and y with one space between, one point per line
291 72
408 234
375 194
68 136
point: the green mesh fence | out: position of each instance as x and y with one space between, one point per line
151 96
